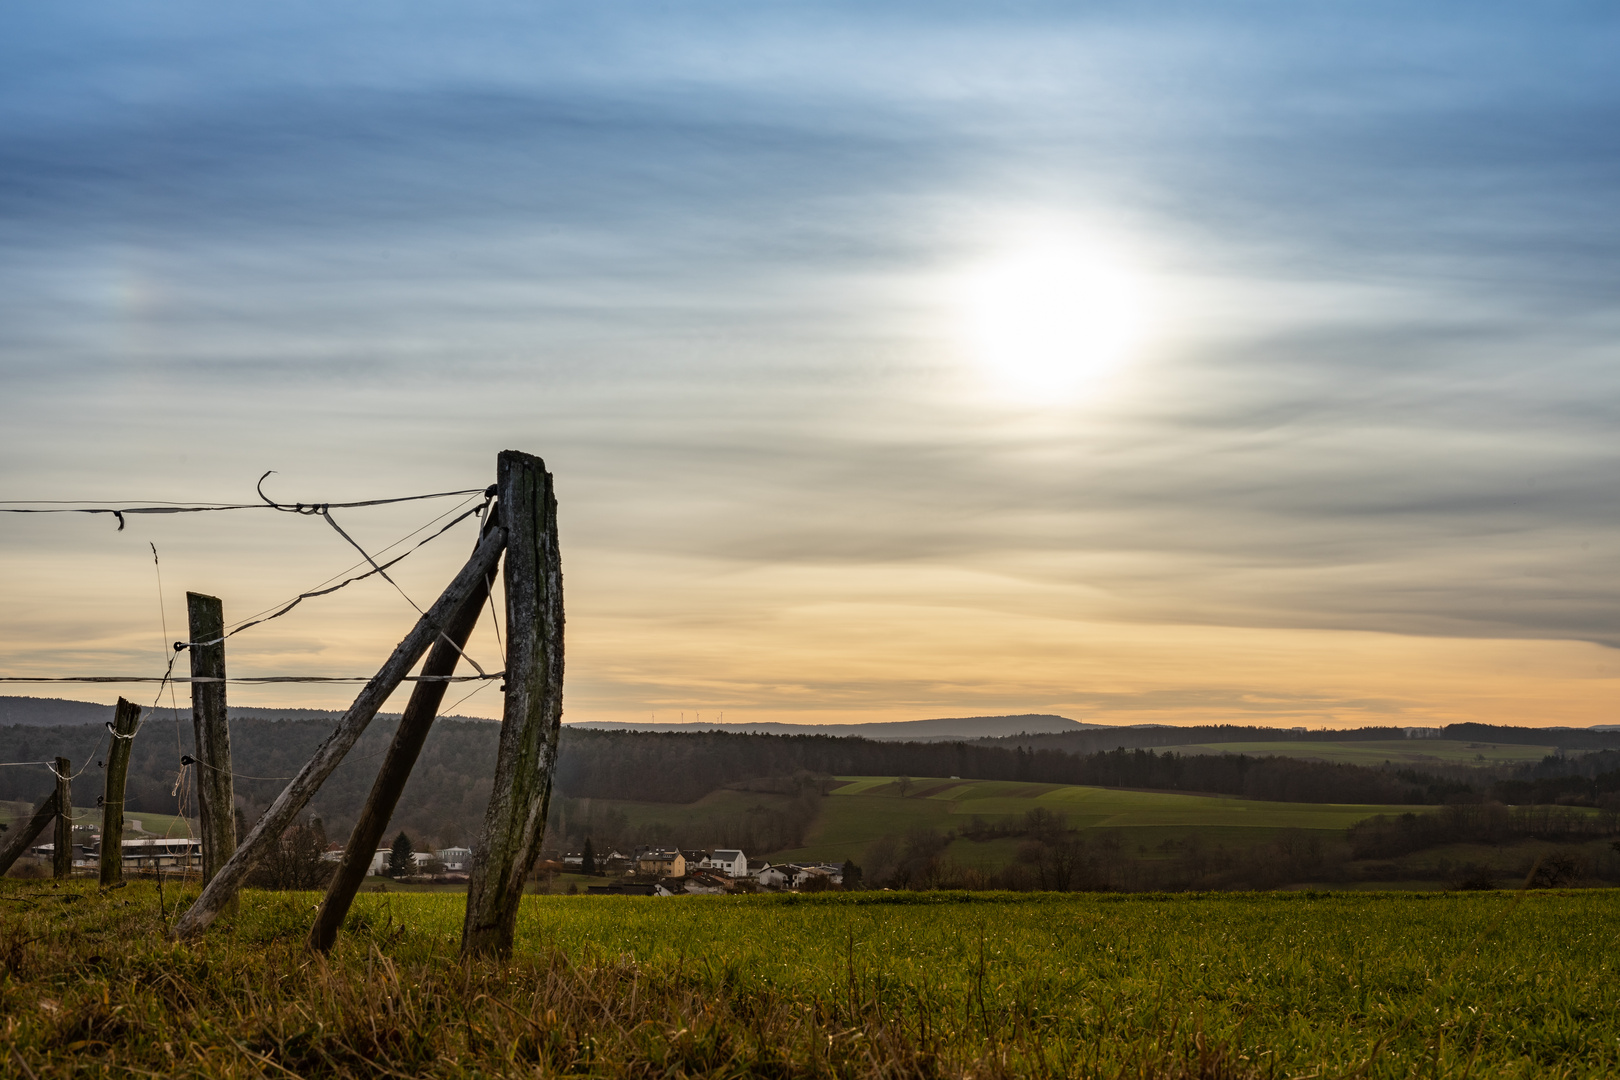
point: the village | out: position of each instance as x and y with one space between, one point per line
675 872
656 871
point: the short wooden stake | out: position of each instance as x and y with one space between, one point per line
396 770
126 718
216 794
296 795
62 858
515 821
22 834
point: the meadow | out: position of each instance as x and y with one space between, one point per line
851 985
864 808
137 823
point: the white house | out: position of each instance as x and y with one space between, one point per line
379 862
834 871
730 862
804 873
775 877
794 875
457 860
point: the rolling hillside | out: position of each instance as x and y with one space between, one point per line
867 808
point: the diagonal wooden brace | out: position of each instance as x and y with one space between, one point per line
296 795
22 833
409 738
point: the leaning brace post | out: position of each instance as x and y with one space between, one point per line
296 795
62 857
216 796
396 769
22 834
126 718
515 821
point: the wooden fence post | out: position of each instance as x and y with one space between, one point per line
396 769
216 792
126 718
62 858
22 833
296 795
515 821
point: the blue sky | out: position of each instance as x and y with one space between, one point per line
712 261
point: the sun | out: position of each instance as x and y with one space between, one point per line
1052 323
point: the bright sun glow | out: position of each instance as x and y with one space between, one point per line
1053 323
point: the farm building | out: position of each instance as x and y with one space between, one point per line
159 854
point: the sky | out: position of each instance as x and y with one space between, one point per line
1158 363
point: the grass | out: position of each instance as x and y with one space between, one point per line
150 824
861 985
864 808
1397 751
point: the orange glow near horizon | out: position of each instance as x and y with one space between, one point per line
817 645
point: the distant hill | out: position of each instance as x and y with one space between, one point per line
51 712
940 730
57 712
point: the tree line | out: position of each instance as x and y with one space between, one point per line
445 799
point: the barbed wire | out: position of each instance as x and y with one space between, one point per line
184 787
314 590
245 679
64 506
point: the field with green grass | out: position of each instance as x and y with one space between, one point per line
858 985
864 808
136 823
1395 751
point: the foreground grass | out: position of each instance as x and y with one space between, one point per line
866 985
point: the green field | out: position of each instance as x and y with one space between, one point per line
865 808
149 824
859 985
1395 751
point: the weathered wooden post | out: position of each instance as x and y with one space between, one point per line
126 718
296 795
216 792
515 821
22 833
62 857
396 770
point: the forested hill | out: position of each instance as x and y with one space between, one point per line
1091 740
450 786
944 729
